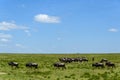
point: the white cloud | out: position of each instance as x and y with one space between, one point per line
5 37
2 35
6 26
4 40
20 45
44 18
113 30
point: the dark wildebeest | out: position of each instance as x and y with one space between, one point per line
13 64
110 64
98 65
32 65
103 60
84 59
58 65
77 59
66 60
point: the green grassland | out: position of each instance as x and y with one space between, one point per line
46 70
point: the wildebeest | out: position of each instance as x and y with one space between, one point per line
84 59
69 60
103 60
98 65
66 60
59 64
77 59
110 64
32 65
13 64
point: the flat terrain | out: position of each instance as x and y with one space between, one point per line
46 70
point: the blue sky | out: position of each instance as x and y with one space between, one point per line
59 26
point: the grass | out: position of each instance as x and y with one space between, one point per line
46 71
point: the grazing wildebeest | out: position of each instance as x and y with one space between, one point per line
77 59
110 64
103 60
84 59
66 60
59 64
98 65
13 64
32 65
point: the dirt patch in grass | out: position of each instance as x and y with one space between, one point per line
2 73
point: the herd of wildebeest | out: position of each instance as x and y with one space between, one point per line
62 63
101 64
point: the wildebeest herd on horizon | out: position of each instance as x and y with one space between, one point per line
101 64
62 63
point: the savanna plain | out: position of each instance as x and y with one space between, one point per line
46 70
